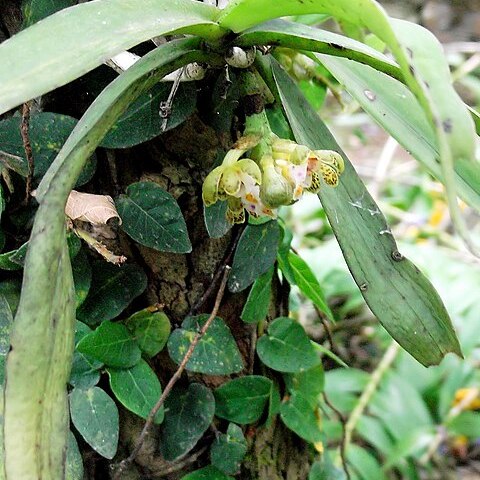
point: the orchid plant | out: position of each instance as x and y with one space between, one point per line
404 84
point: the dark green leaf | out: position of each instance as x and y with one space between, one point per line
286 347
207 473
399 295
243 400
95 416
35 10
112 290
258 301
308 284
74 463
11 290
7 261
215 354
150 329
298 415
188 414
228 450
273 404
152 217
142 122
255 254
47 132
111 344
82 276
137 389
215 219
309 384
85 368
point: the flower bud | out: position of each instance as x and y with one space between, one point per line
276 190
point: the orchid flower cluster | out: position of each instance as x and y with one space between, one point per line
279 177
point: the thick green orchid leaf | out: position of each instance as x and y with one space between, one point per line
422 62
35 61
393 107
399 295
301 37
42 336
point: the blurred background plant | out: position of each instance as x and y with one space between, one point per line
391 417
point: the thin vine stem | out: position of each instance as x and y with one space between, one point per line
124 464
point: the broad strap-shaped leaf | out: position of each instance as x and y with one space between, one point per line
42 337
95 416
215 354
86 35
152 217
38 364
255 254
393 106
188 414
302 37
399 295
422 62
137 389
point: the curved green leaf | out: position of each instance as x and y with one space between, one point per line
401 297
286 347
395 109
111 344
95 416
113 288
142 122
86 35
228 450
255 254
207 473
243 400
259 297
152 217
137 389
302 37
215 354
188 414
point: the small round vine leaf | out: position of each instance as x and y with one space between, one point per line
152 217
308 383
188 414
297 414
137 389
95 416
47 132
215 354
215 219
207 473
255 254
142 121
228 450
111 344
243 399
150 329
286 347
111 291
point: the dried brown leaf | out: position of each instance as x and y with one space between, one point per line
87 207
